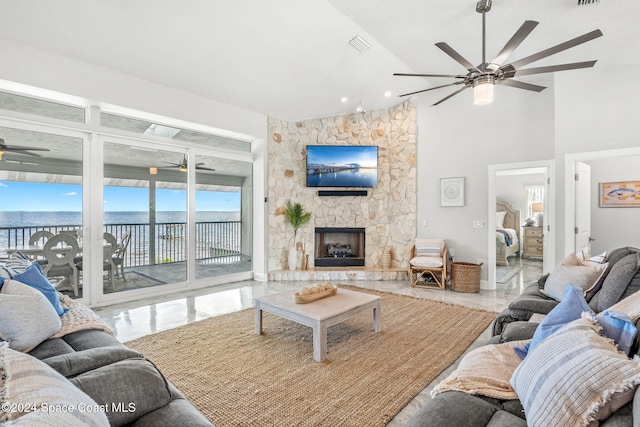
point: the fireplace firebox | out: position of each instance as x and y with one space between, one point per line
340 247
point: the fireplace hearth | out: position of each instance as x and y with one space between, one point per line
339 247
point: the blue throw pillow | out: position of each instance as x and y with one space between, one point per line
33 277
618 327
568 310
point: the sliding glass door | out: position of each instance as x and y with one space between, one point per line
41 196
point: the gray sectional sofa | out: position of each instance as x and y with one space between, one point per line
129 387
61 366
463 409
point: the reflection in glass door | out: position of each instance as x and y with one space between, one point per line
223 217
145 205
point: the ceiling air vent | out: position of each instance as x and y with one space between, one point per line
587 2
359 43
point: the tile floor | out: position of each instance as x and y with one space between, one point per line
138 318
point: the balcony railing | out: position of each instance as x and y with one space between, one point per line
162 243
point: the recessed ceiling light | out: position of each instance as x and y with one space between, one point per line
344 99
387 94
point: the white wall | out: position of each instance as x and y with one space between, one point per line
613 227
457 138
595 110
513 189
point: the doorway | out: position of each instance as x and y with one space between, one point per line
605 166
510 182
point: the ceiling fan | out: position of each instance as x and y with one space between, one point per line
183 166
19 149
484 77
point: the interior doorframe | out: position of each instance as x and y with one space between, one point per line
570 160
549 214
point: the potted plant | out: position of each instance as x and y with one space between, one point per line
296 216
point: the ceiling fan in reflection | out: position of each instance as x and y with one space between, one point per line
183 166
4 148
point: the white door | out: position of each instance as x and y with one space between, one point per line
583 207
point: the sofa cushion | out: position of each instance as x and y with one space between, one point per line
616 282
178 412
517 331
78 362
75 341
584 372
27 382
531 301
26 316
453 408
131 388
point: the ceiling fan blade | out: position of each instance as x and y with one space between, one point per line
515 41
431 88
521 85
558 48
455 55
449 96
200 168
22 148
431 75
552 68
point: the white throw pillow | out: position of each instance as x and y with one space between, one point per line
500 219
585 276
429 247
583 371
49 398
26 316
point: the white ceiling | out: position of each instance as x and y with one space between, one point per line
291 58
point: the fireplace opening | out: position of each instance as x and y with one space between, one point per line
341 247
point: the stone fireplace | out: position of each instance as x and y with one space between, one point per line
387 213
339 247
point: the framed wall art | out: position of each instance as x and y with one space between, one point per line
452 191
620 194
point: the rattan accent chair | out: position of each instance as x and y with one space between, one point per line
428 264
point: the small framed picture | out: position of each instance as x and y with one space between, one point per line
452 191
620 194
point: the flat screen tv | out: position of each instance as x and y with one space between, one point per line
342 166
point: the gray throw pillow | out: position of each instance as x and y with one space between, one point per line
616 282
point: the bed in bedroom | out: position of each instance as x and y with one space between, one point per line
507 231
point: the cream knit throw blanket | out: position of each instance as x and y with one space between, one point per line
78 318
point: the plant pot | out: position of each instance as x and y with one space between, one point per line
293 258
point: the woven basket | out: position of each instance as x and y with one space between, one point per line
465 276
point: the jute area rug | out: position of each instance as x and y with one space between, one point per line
237 378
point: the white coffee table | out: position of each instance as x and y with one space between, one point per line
320 314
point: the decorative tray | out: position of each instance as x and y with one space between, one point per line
303 299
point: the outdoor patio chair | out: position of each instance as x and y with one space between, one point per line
40 235
428 264
36 238
60 261
108 248
119 255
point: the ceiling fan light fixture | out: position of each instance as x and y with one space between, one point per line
153 171
1 153
183 168
483 90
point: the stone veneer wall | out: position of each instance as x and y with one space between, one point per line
388 212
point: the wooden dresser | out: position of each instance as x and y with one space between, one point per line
532 242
